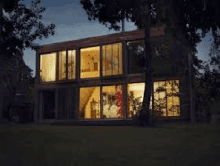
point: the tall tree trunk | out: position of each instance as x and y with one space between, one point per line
145 112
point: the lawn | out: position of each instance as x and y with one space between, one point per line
170 145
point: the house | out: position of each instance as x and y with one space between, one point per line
92 78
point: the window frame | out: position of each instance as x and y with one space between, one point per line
41 54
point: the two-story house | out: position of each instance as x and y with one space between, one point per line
92 78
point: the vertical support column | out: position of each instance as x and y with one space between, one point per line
77 90
56 103
125 73
36 81
100 61
78 63
101 103
68 90
76 112
37 77
40 105
125 101
66 64
57 66
125 58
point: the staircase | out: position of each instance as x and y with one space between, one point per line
85 94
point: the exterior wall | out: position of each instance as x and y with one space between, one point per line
71 89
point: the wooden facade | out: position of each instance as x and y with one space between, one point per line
67 91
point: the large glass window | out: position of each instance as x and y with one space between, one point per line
47 104
62 65
112 59
90 102
48 67
71 64
166 97
135 56
112 101
90 62
135 98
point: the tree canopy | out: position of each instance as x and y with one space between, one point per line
22 25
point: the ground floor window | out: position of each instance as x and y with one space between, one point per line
112 101
166 98
135 98
48 104
90 102
165 101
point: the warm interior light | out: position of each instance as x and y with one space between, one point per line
112 59
112 101
90 102
90 65
71 64
62 65
48 67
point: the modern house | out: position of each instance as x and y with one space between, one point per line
92 78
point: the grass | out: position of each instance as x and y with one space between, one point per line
171 145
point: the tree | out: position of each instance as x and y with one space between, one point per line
182 19
17 81
20 26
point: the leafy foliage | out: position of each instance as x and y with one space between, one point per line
19 27
22 25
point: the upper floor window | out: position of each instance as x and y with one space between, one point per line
135 56
89 66
62 65
112 59
71 64
48 67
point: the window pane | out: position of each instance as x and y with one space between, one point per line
135 56
89 62
71 64
48 67
112 59
90 102
165 97
135 97
112 101
62 65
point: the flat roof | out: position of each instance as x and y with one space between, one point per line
104 39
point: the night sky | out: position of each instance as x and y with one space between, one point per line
72 23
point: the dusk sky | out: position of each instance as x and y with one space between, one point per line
72 23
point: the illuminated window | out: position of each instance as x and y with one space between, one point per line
112 59
90 102
166 97
135 98
135 56
48 67
71 64
112 101
166 100
62 65
89 62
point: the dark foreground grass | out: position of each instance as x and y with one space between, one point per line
171 145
